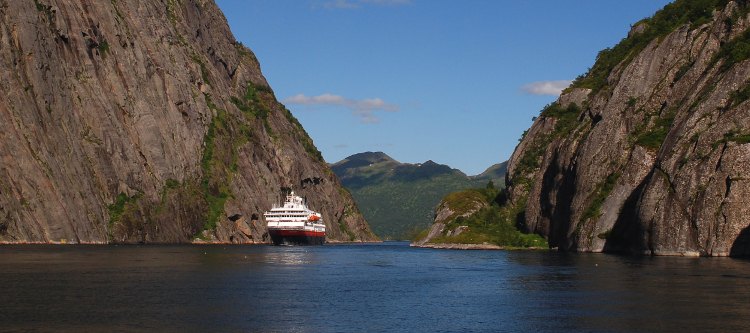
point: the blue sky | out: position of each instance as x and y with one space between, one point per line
456 82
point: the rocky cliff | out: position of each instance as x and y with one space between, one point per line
648 152
146 121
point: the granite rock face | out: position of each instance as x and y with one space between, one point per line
146 121
655 157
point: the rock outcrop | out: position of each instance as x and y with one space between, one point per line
146 121
648 152
470 202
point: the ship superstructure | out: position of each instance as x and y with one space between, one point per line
294 224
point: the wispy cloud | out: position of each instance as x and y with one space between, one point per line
553 88
387 2
341 4
352 4
363 108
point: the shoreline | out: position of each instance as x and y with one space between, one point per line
451 246
486 246
334 242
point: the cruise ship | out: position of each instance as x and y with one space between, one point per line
294 224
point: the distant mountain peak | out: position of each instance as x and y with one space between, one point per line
363 159
377 156
496 171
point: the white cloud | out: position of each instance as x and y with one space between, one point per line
363 108
387 2
351 4
553 88
341 4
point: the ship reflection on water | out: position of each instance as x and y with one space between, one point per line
292 256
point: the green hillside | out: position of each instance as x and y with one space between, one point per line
487 222
398 199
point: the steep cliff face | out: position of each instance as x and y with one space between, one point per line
146 121
648 152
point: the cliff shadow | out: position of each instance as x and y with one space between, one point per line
627 235
558 212
741 245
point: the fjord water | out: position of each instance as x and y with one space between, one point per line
364 288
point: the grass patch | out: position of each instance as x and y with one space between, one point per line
739 96
605 235
255 102
631 102
734 51
733 136
117 209
204 70
464 201
122 211
683 70
654 138
218 162
302 137
172 11
46 9
600 195
567 117
103 47
343 227
171 184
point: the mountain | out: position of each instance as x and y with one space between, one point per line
146 121
649 151
398 199
495 173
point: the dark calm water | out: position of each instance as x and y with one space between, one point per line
364 288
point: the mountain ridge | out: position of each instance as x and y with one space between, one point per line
398 198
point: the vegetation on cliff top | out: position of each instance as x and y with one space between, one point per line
566 119
672 16
734 51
